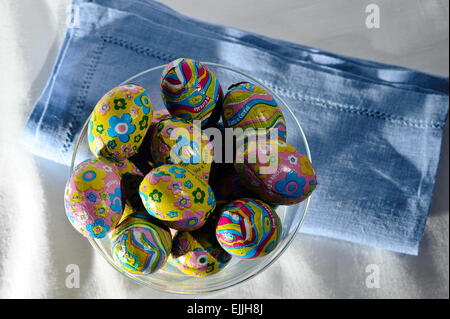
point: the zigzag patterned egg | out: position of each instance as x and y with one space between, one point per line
93 198
197 253
191 91
248 228
247 105
139 246
177 196
176 141
119 122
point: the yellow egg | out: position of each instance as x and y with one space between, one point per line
176 141
197 253
119 122
177 196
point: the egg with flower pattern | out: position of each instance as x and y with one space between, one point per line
197 253
93 198
119 122
191 91
176 141
276 171
177 196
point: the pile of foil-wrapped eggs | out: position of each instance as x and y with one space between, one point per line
159 191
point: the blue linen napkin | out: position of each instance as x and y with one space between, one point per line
374 130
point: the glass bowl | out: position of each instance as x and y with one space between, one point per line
168 278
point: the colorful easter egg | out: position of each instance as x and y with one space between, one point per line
191 91
176 141
197 253
248 228
276 171
139 246
247 105
177 196
119 122
93 198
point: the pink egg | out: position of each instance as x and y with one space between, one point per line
93 198
278 173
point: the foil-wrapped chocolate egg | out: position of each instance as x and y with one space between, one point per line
248 228
176 141
93 198
139 246
276 171
197 253
247 105
119 122
177 196
191 91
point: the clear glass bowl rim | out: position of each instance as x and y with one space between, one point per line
255 271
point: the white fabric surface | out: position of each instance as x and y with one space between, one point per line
37 242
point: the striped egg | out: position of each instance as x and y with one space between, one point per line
197 253
276 171
119 122
177 196
248 228
176 141
139 246
191 91
93 198
247 105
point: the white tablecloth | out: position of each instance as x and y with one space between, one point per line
37 243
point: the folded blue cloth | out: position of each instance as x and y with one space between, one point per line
374 130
